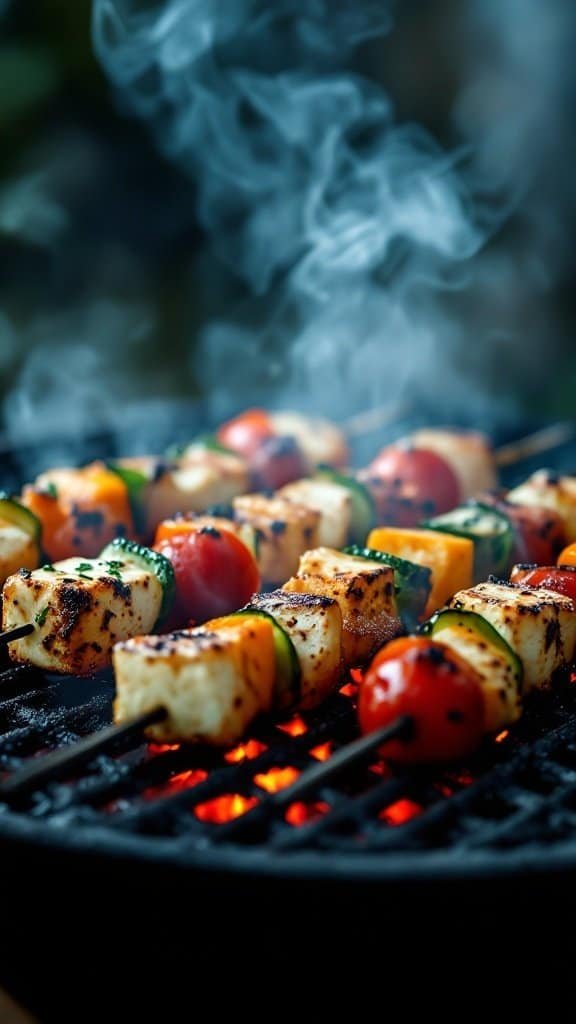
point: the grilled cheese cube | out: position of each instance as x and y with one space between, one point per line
320 441
79 611
539 625
201 478
314 625
18 550
548 490
331 500
211 682
283 531
364 591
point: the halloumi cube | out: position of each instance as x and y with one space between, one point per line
331 500
284 530
18 550
199 479
546 489
364 591
212 682
320 440
314 625
80 609
539 625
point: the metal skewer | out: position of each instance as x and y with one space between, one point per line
17 633
39 771
534 444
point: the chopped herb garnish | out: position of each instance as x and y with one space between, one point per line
50 489
115 565
84 567
49 567
40 618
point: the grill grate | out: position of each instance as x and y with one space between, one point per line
519 794
513 804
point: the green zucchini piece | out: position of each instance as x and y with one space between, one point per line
452 617
287 688
363 515
490 530
136 481
18 515
412 582
128 551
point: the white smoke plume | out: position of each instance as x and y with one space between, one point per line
347 222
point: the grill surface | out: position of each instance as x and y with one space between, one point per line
513 807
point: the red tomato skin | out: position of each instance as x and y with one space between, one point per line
215 574
560 578
245 433
418 475
278 461
441 693
539 532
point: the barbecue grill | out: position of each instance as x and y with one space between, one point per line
136 831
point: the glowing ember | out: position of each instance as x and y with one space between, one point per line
224 808
400 812
501 736
349 690
462 778
245 752
323 751
162 748
276 779
295 727
184 780
299 813
380 768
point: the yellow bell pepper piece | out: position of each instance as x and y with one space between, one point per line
450 558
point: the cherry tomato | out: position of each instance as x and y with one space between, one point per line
539 532
418 474
568 555
246 432
561 578
437 688
278 461
215 574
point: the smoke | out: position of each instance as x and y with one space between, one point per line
346 224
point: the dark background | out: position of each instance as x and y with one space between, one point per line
107 278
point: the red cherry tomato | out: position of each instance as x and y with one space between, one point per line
418 474
215 574
539 532
561 578
439 691
246 432
277 461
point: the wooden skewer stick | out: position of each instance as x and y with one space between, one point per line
534 444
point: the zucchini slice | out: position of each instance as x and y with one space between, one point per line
499 667
135 481
490 530
287 687
363 511
18 515
128 551
412 582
